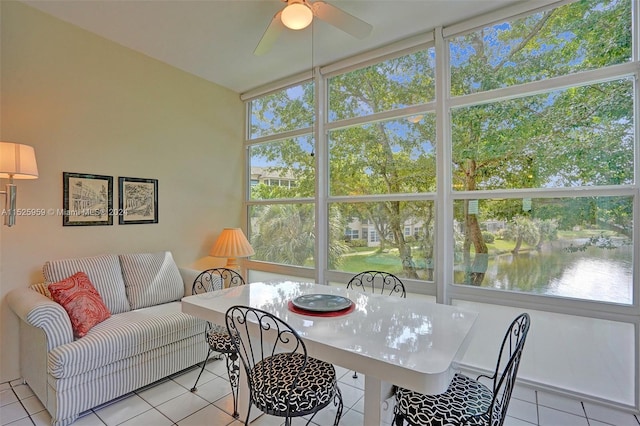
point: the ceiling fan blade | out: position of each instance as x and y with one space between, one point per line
270 35
341 19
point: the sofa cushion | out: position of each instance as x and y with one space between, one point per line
103 271
42 288
151 279
82 302
122 336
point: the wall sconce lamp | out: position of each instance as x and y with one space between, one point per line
17 161
232 244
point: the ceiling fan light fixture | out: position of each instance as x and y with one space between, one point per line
296 15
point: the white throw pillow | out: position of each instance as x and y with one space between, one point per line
103 271
151 279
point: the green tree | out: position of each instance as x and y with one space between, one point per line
575 137
285 233
522 229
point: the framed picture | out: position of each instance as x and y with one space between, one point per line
138 200
87 199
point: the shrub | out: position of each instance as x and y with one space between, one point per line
488 237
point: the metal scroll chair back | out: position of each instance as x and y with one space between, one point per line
283 380
468 401
377 282
216 279
217 335
504 377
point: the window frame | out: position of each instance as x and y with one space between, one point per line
444 197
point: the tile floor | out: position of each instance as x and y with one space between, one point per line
169 403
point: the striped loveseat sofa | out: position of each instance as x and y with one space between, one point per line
145 339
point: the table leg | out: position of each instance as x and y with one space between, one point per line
375 392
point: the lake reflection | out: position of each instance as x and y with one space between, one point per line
595 274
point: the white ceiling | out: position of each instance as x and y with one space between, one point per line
215 39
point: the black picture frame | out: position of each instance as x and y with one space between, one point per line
138 200
87 199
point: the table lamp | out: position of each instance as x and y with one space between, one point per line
232 244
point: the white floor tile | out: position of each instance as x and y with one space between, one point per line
123 410
512 421
551 417
182 406
341 371
12 412
523 410
209 415
524 393
214 389
226 404
148 418
88 419
350 395
218 367
266 420
23 391
187 380
561 403
32 404
44 419
162 392
609 415
353 418
597 423
7 397
327 415
22 422
359 406
349 380
174 404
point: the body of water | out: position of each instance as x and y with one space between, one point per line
598 274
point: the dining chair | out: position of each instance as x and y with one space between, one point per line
467 401
217 335
283 380
377 282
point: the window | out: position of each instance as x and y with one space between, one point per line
514 148
283 233
572 247
276 176
580 36
578 134
282 169
516 188
351 234
409 78
285 110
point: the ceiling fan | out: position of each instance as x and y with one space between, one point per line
298 14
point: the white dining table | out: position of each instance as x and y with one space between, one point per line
410 342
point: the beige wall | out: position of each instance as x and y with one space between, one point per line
88 105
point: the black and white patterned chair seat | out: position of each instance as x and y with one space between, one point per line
315 389
465 402
219 340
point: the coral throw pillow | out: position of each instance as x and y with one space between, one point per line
81 300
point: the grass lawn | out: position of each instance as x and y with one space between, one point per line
389 262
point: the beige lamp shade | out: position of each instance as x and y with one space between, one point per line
17 161
231 244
